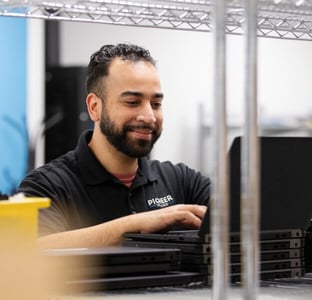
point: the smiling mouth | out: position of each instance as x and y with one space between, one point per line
143 131
142 134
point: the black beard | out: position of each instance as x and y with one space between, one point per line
120 140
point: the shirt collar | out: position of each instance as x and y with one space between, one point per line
93 172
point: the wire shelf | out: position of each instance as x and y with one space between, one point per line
290 19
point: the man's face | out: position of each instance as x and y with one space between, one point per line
131 117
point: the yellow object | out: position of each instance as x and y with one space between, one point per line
19 220
23 275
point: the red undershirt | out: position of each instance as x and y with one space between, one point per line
126 179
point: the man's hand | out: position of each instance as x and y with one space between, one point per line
111 233
182 215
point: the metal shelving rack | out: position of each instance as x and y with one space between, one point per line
285 19
288 19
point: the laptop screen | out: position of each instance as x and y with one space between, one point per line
285 182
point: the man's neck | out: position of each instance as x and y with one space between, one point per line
112 160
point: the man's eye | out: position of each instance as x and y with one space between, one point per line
156 105
132 102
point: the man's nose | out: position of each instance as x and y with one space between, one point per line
146 115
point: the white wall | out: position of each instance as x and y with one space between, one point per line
185 65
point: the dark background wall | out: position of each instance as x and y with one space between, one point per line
66 115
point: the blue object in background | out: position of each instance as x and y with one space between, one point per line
13 128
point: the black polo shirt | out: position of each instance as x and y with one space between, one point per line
83 193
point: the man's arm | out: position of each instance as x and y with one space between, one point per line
111 233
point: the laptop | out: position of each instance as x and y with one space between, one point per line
285 197
114 260
116 267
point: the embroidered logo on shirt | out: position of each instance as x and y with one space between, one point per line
160 202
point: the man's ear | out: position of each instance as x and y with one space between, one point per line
94 105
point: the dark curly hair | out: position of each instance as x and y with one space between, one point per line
101 60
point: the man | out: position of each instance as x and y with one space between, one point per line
107 186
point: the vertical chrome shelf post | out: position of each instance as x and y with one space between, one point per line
219 200
250 159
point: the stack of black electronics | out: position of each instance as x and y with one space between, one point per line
94 269
285 214
281 252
